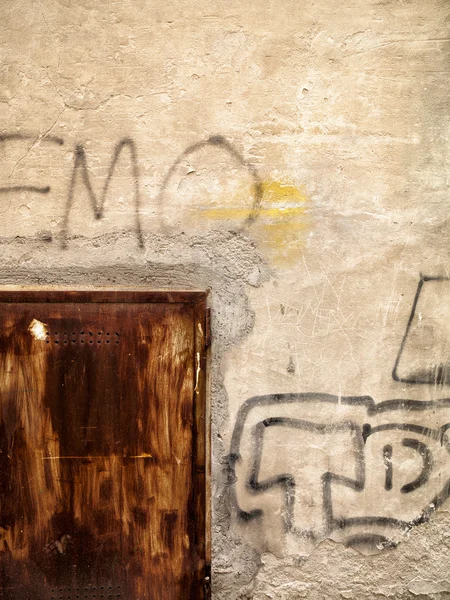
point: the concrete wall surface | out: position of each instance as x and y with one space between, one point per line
292 157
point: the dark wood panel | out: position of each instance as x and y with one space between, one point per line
102 449
102 296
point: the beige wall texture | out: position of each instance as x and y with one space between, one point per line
292 157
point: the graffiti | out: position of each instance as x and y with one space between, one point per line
5 137
347 468
221 143
80 166
420 359
81 171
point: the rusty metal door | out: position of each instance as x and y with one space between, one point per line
102 446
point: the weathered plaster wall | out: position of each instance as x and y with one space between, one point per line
292 157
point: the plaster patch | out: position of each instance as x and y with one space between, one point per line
420 586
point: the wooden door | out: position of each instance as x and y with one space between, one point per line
102 446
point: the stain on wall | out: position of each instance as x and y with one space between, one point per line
283 218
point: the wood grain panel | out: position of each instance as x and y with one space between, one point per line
102 448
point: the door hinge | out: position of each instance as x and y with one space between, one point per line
208 328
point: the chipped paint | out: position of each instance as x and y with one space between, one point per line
197 372
38 330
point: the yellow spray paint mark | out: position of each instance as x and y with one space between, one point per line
282 218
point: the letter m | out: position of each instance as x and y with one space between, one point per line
80 169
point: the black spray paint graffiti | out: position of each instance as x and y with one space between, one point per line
81 170
5 137
425 347
220 142
81 167
382 471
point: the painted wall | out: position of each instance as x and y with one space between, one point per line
292 158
